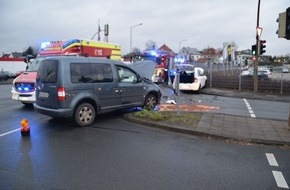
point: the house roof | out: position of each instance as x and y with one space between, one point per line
5 55
166 49
189 50
17 54
202 60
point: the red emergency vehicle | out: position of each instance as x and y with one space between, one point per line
163 64
92 48
23 88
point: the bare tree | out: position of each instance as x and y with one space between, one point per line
150 45
136 50
31 51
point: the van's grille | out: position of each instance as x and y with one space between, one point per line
24 87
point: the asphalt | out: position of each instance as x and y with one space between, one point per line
231 127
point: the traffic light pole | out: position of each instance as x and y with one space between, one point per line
257 51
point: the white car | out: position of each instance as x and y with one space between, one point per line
191 79
285 70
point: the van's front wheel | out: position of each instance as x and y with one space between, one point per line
150 102
84 114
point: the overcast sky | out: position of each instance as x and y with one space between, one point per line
204 23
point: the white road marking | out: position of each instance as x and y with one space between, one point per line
271 159
7 133
252 114
280 180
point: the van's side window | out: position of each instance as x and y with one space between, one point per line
102 72
47 72
80 73
126 75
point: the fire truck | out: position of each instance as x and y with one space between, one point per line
90 48
23 88
164 63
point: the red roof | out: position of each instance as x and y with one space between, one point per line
202 60
166 49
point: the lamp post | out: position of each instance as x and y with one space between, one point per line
131 34
257 51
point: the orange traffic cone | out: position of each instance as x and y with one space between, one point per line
25 130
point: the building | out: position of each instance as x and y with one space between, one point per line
188 55
164 49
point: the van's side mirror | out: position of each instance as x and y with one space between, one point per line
139 78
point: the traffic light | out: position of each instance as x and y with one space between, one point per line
262 46
106 30
284 24
254 49
281 25
288 23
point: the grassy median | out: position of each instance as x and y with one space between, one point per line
184 119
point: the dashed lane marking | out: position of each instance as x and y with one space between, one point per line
280 180
271 159
251 112
278 176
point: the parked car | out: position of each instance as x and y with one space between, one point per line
4 76
245 72
191 78
81 87
285 70
262 73
265 72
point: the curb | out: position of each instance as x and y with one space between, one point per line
183 130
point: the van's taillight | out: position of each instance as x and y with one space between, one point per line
195 80
61 93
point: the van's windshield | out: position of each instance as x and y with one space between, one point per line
34 65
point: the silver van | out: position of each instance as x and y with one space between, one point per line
81 87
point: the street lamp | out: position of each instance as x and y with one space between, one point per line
180 43
131 34
257 51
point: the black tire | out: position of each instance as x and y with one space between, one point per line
26 104
150 102
84 114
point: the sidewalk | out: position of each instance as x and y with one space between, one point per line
231 127
243 128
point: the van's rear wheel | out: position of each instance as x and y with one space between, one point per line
84 114
150 102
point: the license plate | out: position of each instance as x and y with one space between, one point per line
23 98
43 94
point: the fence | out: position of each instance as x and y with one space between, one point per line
228 76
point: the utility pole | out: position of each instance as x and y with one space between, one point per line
257 51
131 35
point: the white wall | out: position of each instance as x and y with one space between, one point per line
12 66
